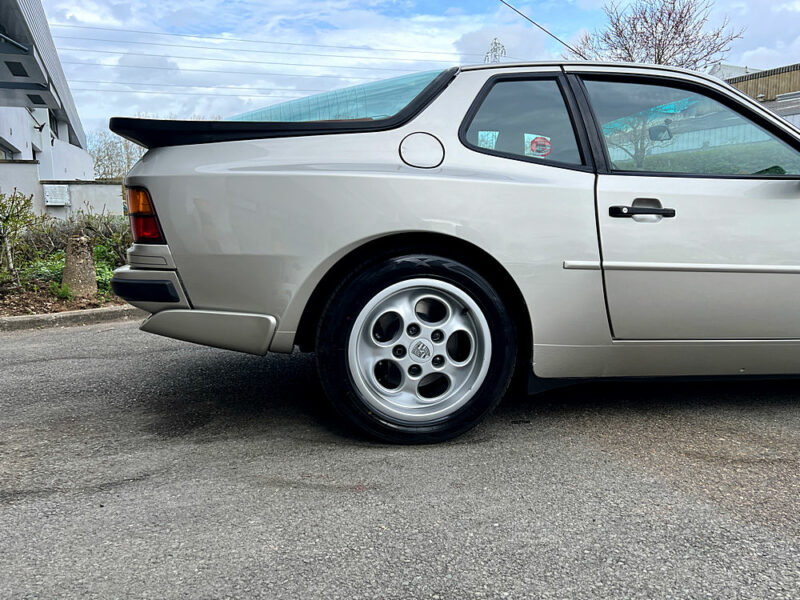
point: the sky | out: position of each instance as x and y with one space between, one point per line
134 57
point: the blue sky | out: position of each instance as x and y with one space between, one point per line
219 77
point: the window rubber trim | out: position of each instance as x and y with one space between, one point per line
570 105
728 101
590 123
158 133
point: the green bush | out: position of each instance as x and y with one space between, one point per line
49 268
39 245
111 233
104 274
60 291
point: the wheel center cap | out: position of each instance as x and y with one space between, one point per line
420 350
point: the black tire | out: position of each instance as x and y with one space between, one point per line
352 296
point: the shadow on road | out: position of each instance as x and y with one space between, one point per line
214 392
643 394
220 392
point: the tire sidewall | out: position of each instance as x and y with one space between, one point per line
349 300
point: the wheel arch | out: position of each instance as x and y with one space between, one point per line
435 243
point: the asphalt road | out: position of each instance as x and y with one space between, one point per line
136 466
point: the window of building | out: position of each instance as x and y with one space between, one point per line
665 129
53 123
526 119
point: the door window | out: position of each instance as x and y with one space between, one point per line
664 129
525 119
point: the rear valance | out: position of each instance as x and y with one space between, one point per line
156 133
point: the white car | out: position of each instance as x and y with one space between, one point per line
432 235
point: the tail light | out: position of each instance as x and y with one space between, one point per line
144 223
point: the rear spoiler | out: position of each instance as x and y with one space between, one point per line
157 133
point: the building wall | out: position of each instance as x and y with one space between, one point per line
15 134
54 158
768 85
24 176
88 196
27 19
776 88
83 196
66 162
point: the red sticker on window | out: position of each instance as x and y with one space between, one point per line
541 146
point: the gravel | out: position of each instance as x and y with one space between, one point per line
136 466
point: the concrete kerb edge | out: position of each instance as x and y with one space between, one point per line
71 318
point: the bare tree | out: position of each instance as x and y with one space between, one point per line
16 214
661 32
631 135
113 156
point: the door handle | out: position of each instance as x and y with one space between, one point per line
626 212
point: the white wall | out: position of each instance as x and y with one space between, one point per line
96 197
58 159
15 131
83 195
65 161
25 177
86 196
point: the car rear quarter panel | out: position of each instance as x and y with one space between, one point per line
253 226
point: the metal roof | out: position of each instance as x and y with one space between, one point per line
763 74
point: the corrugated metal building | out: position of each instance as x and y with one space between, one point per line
42 142
778 89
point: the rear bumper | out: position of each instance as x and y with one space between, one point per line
161 293
144 290
149 289
243 332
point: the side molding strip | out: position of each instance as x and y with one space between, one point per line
696 267
583 265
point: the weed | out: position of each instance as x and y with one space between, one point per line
60 291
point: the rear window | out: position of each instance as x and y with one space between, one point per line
367 102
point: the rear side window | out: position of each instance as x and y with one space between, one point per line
525 119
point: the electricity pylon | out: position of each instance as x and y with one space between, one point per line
495 53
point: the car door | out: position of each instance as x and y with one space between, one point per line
698 213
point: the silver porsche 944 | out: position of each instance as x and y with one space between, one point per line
436 237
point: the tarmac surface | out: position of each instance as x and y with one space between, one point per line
141 467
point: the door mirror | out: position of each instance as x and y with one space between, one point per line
660 133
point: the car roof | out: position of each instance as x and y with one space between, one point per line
595 66
611 66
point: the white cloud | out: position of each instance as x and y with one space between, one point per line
452 35
764 57
521 42
327 22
